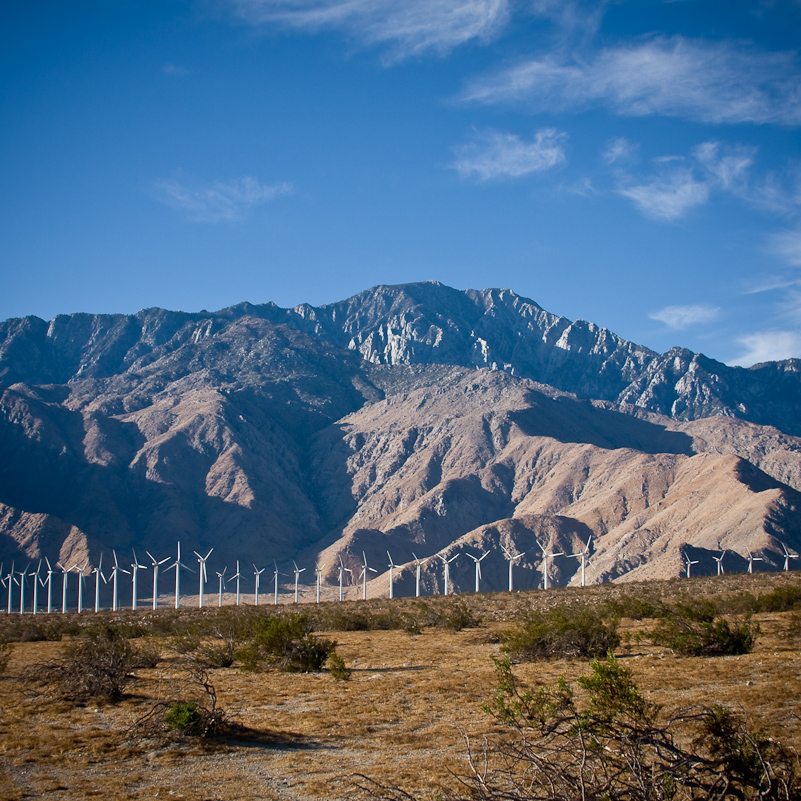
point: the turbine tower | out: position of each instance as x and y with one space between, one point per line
36 581
237 576
258 578
221 576
202 576
752 559
49 586
719 560
788 555
689 563
135 568
156 565
277 574
98 571
21 582
392 567
319 571
298 571
9 583
115 581
511 559
545 555
584 559
81 578
418 563
342 569
477 560
363 576
446 564
65 571
176 566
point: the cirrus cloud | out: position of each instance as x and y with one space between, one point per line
681 317
220 201
768 346
504 155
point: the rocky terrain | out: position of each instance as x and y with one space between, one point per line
416 419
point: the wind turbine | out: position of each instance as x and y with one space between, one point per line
319 571
36 581
752 559
49 586
156 566
115 571
419 564
342 569
177 565
446 563
98 571
584 560
788 555
511 559
135 567
298 571
65 571
545 564
9 582
21 582
277 574
689 563
363 576
81 578
221 576
258 574
202 575
3 579
719 560
477 560
392 567
237 576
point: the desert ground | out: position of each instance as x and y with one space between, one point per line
401 718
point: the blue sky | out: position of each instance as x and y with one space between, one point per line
634 163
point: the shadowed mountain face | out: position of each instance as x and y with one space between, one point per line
365 426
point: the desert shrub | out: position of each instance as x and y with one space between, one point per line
97 666
186 716
634 607
562 633
695 630
600 739
24 628
336 666
286 643
5 655
457 616
781 599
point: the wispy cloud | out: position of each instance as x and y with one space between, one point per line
619 149
713 82
667 197
787 245
768 346
681 317
493 154
409 27
219 202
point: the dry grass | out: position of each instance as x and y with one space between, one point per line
303 736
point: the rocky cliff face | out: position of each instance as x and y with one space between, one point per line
272 433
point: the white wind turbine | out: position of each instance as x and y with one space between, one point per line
36 581
2 577
511 559
65 571
584 559
545 556
752 559
446 566
176 566
9 582
719 560
237 576
277 574
135 568
298 571
115 571
156 565
98 571
419 563
788 555
477 560
81 578
21 583
202 576
221 576
689 563
319 571
258 576
49 586
363 576
342 570
392 567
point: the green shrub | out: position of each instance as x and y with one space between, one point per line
695 630
182 714
288 644
781 599
562 633
457 616
336 666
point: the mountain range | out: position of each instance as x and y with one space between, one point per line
415 419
